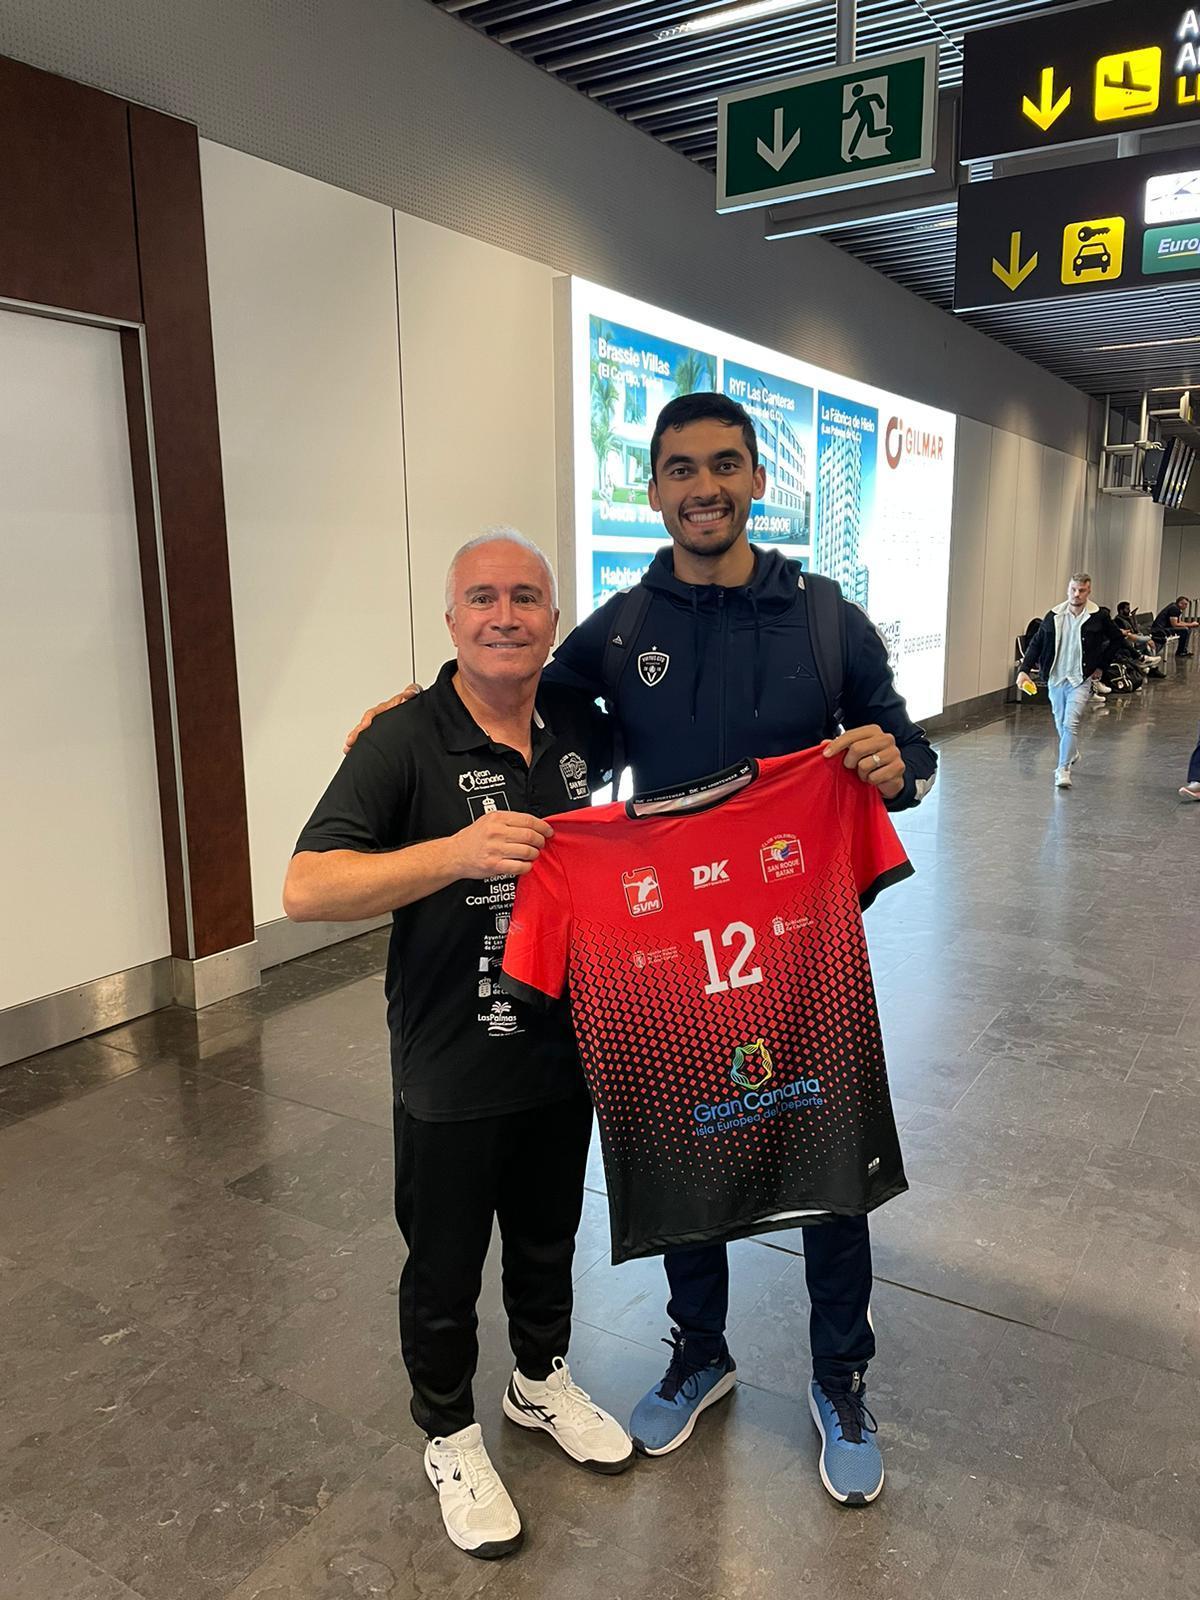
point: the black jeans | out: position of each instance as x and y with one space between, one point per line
524 1169
837 1266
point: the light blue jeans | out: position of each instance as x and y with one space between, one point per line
1068 702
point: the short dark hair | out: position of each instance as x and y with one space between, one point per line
1123 605
702 407
1180 599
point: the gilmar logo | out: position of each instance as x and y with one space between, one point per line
652 667
642 894
781 857
574 775
705 877
469 782
899 441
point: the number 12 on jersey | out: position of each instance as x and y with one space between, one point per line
739 977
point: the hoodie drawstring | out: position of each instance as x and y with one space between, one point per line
697 656
758 663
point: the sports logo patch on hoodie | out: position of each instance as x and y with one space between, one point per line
652 666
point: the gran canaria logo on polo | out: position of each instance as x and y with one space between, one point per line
752 1065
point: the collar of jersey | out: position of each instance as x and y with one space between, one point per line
458 729
702 794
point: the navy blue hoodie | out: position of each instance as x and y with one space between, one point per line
731 673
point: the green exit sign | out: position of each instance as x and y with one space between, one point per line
826 131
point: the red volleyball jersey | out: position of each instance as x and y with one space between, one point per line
721 993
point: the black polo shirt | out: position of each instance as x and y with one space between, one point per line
461 1048
1167 617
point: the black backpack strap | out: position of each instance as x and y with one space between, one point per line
618 652
618 647
827 629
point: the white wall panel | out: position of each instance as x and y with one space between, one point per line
1169 566
1180 565
1036 476
477 334
81 861
968 540
1189 564
1072 541
302 280
1050 528
1124 549
995 631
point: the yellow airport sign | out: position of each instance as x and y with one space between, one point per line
1078 72
1128 84
1093 251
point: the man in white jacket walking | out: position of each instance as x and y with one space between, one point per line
1072 647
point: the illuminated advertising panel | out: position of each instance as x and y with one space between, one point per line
860 483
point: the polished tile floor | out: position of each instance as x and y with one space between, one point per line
200 1395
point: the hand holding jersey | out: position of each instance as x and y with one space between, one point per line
500 844
874 755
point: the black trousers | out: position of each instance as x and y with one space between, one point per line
524 1169
837 1267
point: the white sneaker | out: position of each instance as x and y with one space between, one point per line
1100 688
561 1409
478 1514
1062 778
1191 791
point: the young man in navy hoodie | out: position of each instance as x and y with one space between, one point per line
726 669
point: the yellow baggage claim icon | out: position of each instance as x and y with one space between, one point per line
1127 85
1093 251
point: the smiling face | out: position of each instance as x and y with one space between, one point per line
503 619
704 485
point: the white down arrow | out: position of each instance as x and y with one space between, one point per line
777 155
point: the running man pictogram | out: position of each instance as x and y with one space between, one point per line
865 130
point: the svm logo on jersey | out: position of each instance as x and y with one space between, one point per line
642 893
781 857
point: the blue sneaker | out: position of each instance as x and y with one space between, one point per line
663 1419
851 1465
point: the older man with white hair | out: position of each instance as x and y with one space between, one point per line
433 815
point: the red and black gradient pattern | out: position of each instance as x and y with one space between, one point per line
737 954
